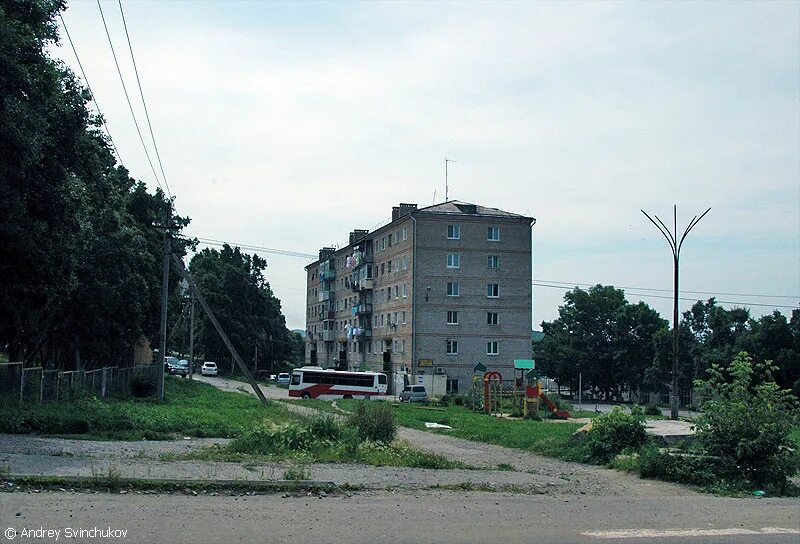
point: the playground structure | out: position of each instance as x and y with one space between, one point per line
522 397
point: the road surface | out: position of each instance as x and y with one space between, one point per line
394 518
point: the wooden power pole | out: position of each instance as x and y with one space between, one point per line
213 319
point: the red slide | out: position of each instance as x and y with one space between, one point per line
559 413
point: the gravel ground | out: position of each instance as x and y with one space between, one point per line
25 454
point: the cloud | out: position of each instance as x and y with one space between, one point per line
289 125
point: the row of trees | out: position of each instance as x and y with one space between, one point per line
234 285
80 243
619 347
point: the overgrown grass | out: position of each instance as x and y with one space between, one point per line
543 437
189 408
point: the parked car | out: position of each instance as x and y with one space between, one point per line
209 368
414 393
169 363
283 378
181 368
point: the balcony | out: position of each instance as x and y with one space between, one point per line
363 308
362 258
362 285
362 333
329 315
328 336
327 275
325 296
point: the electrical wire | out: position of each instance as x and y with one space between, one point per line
144 103
127 97
286 253
648 295
575 284
89 87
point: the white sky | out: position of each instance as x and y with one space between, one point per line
287 125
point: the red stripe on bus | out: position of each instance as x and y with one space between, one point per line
327 389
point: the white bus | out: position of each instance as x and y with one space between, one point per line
314 382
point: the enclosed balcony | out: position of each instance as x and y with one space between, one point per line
362 308
362 285
328 336
360 333
328 315
327 275
325 296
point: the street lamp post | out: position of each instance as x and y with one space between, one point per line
675 245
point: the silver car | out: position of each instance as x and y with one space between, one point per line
414 393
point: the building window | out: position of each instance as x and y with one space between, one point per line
453 260
452 289
405 291
396 237
405 233
492 290
381 320
404 318
405 262
452 347
383 268
396 292
452 317
390 240
491 318
493 261
453 232
389 266
492 348
493 234
402 346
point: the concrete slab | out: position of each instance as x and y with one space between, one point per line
670 431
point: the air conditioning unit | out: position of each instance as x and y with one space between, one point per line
440 370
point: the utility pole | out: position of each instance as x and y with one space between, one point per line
162 348
446 189
675 245
220 330
191 337
256 360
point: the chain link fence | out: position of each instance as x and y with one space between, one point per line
36 385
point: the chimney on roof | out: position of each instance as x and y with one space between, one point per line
402 209
326 252
357 235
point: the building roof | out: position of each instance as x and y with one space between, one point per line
465 208
451 207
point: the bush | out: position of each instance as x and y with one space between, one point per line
142 388
273 438
684 469
458 400
616 432
747 423
325 426
652 410
374 421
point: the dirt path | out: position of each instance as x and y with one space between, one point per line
568 477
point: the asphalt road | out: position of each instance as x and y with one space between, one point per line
414 517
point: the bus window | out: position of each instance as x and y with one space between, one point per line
382 379
296 379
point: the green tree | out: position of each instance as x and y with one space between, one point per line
603 337
79 255
235 288
746 422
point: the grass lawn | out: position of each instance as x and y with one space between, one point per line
189 408
542 437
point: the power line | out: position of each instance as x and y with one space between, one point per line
284 252
94 97
141 93
127 97
574 284
648 295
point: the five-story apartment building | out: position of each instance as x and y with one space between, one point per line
437 290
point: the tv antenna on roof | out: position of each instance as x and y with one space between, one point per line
446 191
434 197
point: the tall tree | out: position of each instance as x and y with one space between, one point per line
238 293
601 336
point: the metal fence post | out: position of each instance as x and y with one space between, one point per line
103 382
